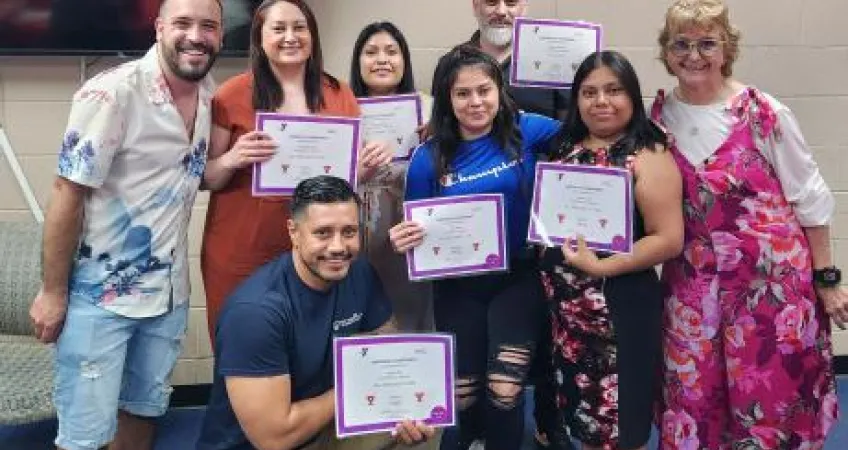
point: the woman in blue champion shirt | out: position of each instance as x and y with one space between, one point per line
482 144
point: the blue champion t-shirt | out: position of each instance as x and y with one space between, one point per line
273 324
481 166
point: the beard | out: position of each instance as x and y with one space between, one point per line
188 72
497 35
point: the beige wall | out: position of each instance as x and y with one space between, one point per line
796 50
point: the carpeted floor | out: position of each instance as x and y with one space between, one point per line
179 428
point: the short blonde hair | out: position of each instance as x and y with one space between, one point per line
708 14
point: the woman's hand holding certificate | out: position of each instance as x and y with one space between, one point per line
454 236
307 146
406 235
574 200
250 148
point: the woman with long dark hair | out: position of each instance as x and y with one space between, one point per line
606 310
381 65
286 75
481 143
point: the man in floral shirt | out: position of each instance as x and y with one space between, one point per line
115 285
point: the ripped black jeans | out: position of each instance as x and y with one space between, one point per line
496 319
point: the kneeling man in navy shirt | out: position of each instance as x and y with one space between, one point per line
273 386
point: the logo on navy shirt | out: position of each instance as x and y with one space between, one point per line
344 323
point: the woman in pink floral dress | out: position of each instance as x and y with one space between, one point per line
746 334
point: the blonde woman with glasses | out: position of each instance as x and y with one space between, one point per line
746 330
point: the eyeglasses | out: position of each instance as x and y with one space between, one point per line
706 47
508 3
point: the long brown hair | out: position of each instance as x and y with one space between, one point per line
267 92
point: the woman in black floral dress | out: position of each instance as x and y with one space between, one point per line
606 309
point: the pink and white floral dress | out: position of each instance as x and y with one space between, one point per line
747 346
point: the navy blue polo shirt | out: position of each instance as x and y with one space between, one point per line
274 324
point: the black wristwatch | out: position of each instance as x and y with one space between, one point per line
827 277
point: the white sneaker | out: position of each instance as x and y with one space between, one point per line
479 444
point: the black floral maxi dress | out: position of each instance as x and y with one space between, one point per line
606 340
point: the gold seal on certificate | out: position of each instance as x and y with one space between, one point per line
393 119
547 53
594 202
308 146
465 235
385 379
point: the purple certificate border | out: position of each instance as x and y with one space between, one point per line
261 118
501 262
516 34
395 99
533 234
446 340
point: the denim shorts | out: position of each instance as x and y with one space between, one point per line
106 362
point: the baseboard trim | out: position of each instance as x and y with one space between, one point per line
840 364
187 395
198 394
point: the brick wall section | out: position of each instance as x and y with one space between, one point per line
794 49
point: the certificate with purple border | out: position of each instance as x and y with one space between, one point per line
571 200
308 146
547 53
382 380
393 119
464 235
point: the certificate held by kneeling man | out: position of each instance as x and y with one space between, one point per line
382 380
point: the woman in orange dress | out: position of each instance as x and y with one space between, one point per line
286 75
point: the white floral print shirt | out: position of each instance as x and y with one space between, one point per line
126 140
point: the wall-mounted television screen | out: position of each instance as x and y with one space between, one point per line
83 27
